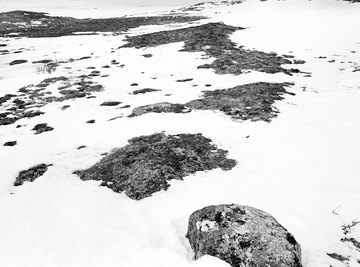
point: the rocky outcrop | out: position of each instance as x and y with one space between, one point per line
147 163
243 237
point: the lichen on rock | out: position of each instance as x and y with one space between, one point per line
147 163
242 236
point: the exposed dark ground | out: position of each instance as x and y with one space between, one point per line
246 102
52 26
214 40
147 163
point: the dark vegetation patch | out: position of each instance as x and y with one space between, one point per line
52 26
10 143
201 6
18 61
349 237
37 96
145 90
43 61
110 103
352 240
184 80
31 174
213 39
246 102
42 127
147 163
163 107
338 257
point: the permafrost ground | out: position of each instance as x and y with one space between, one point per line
66 102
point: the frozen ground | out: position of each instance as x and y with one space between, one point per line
303 167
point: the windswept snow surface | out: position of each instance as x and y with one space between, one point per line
303 167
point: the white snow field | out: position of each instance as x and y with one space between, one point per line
303 167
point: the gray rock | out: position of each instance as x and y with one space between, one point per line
243 237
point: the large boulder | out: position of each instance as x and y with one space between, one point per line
243 237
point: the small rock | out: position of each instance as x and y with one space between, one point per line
10 143
91 121
145 90
110 103
65 107
42 127
242 236
134 84
184 80
18 61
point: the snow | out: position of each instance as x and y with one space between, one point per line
300 167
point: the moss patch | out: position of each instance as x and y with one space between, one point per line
51 26
213 39
147 163
253 101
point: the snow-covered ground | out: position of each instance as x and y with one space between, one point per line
303 167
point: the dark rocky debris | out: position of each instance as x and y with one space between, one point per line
18 61
42 127
31 174
110 103
61 26
184 80
242 236
144 91
10 143
246 102
147 163
338 257
90 121
213 39
36 95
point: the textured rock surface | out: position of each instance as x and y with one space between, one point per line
243 237
147 164
31 174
